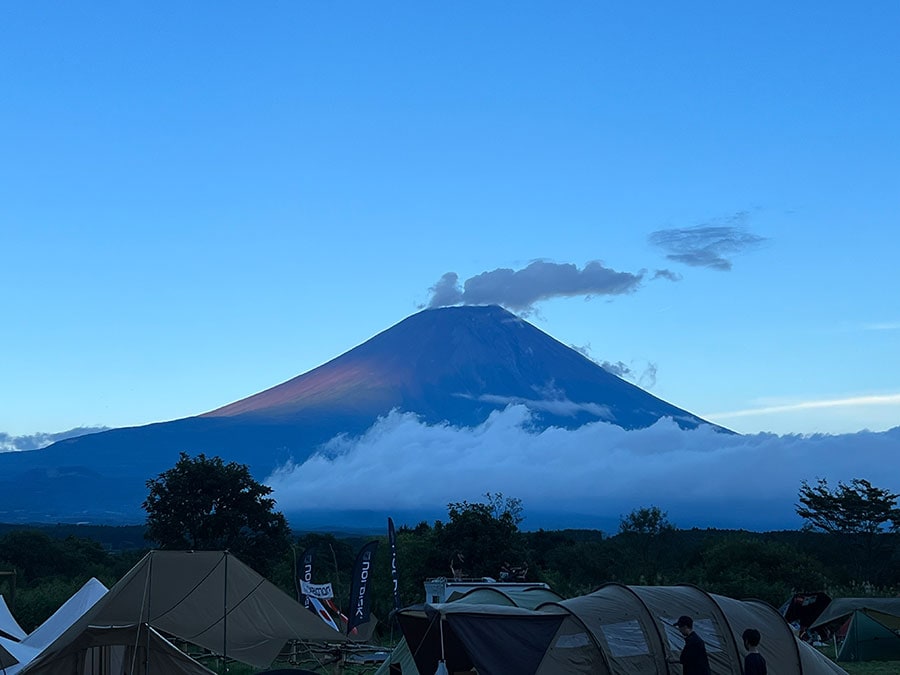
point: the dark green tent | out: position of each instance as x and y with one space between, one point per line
869 639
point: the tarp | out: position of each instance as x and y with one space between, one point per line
208 598
9 627
621 630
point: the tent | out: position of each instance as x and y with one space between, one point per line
9 627
805 608
871 627
401 659
6 659
208 598
30 647
617 629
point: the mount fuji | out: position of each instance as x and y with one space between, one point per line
453 365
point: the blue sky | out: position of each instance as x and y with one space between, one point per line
201 200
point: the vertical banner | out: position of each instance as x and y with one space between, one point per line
395 577
360 593
305 574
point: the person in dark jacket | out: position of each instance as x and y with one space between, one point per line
693 659
754 662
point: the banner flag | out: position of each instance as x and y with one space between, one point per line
319 609
360 593
305 574
395 577
318 591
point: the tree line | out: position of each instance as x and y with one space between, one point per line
849 546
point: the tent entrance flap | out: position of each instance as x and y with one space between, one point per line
507 644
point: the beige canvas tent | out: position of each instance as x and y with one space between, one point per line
208 598
617 630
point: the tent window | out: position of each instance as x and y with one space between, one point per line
625 638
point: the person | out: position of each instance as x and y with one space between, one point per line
754 662
456 566
693 659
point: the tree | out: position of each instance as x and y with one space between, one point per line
482 536
858 510
641 536
204 504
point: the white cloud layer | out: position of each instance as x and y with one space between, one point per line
701 477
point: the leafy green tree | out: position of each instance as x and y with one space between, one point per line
481 536
205 504
642 537
749 567
858 511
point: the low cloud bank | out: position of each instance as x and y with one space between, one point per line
701 477
37 441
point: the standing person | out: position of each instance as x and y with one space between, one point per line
693 659
754 662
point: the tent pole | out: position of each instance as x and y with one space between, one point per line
149 600
225 617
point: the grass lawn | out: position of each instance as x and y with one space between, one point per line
872 667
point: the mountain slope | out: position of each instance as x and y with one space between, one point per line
455 364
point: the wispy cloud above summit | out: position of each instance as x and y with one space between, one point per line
710 245
519 290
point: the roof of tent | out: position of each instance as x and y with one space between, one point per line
208 598
70 611
528 598
841 608
9 627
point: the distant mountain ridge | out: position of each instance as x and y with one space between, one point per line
454 365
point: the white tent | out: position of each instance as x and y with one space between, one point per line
9 627
70 611
31 645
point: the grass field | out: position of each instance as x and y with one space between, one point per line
872 668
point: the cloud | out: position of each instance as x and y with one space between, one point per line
701 477
646 379
711 245
42 440
666 274
519 290
880 399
